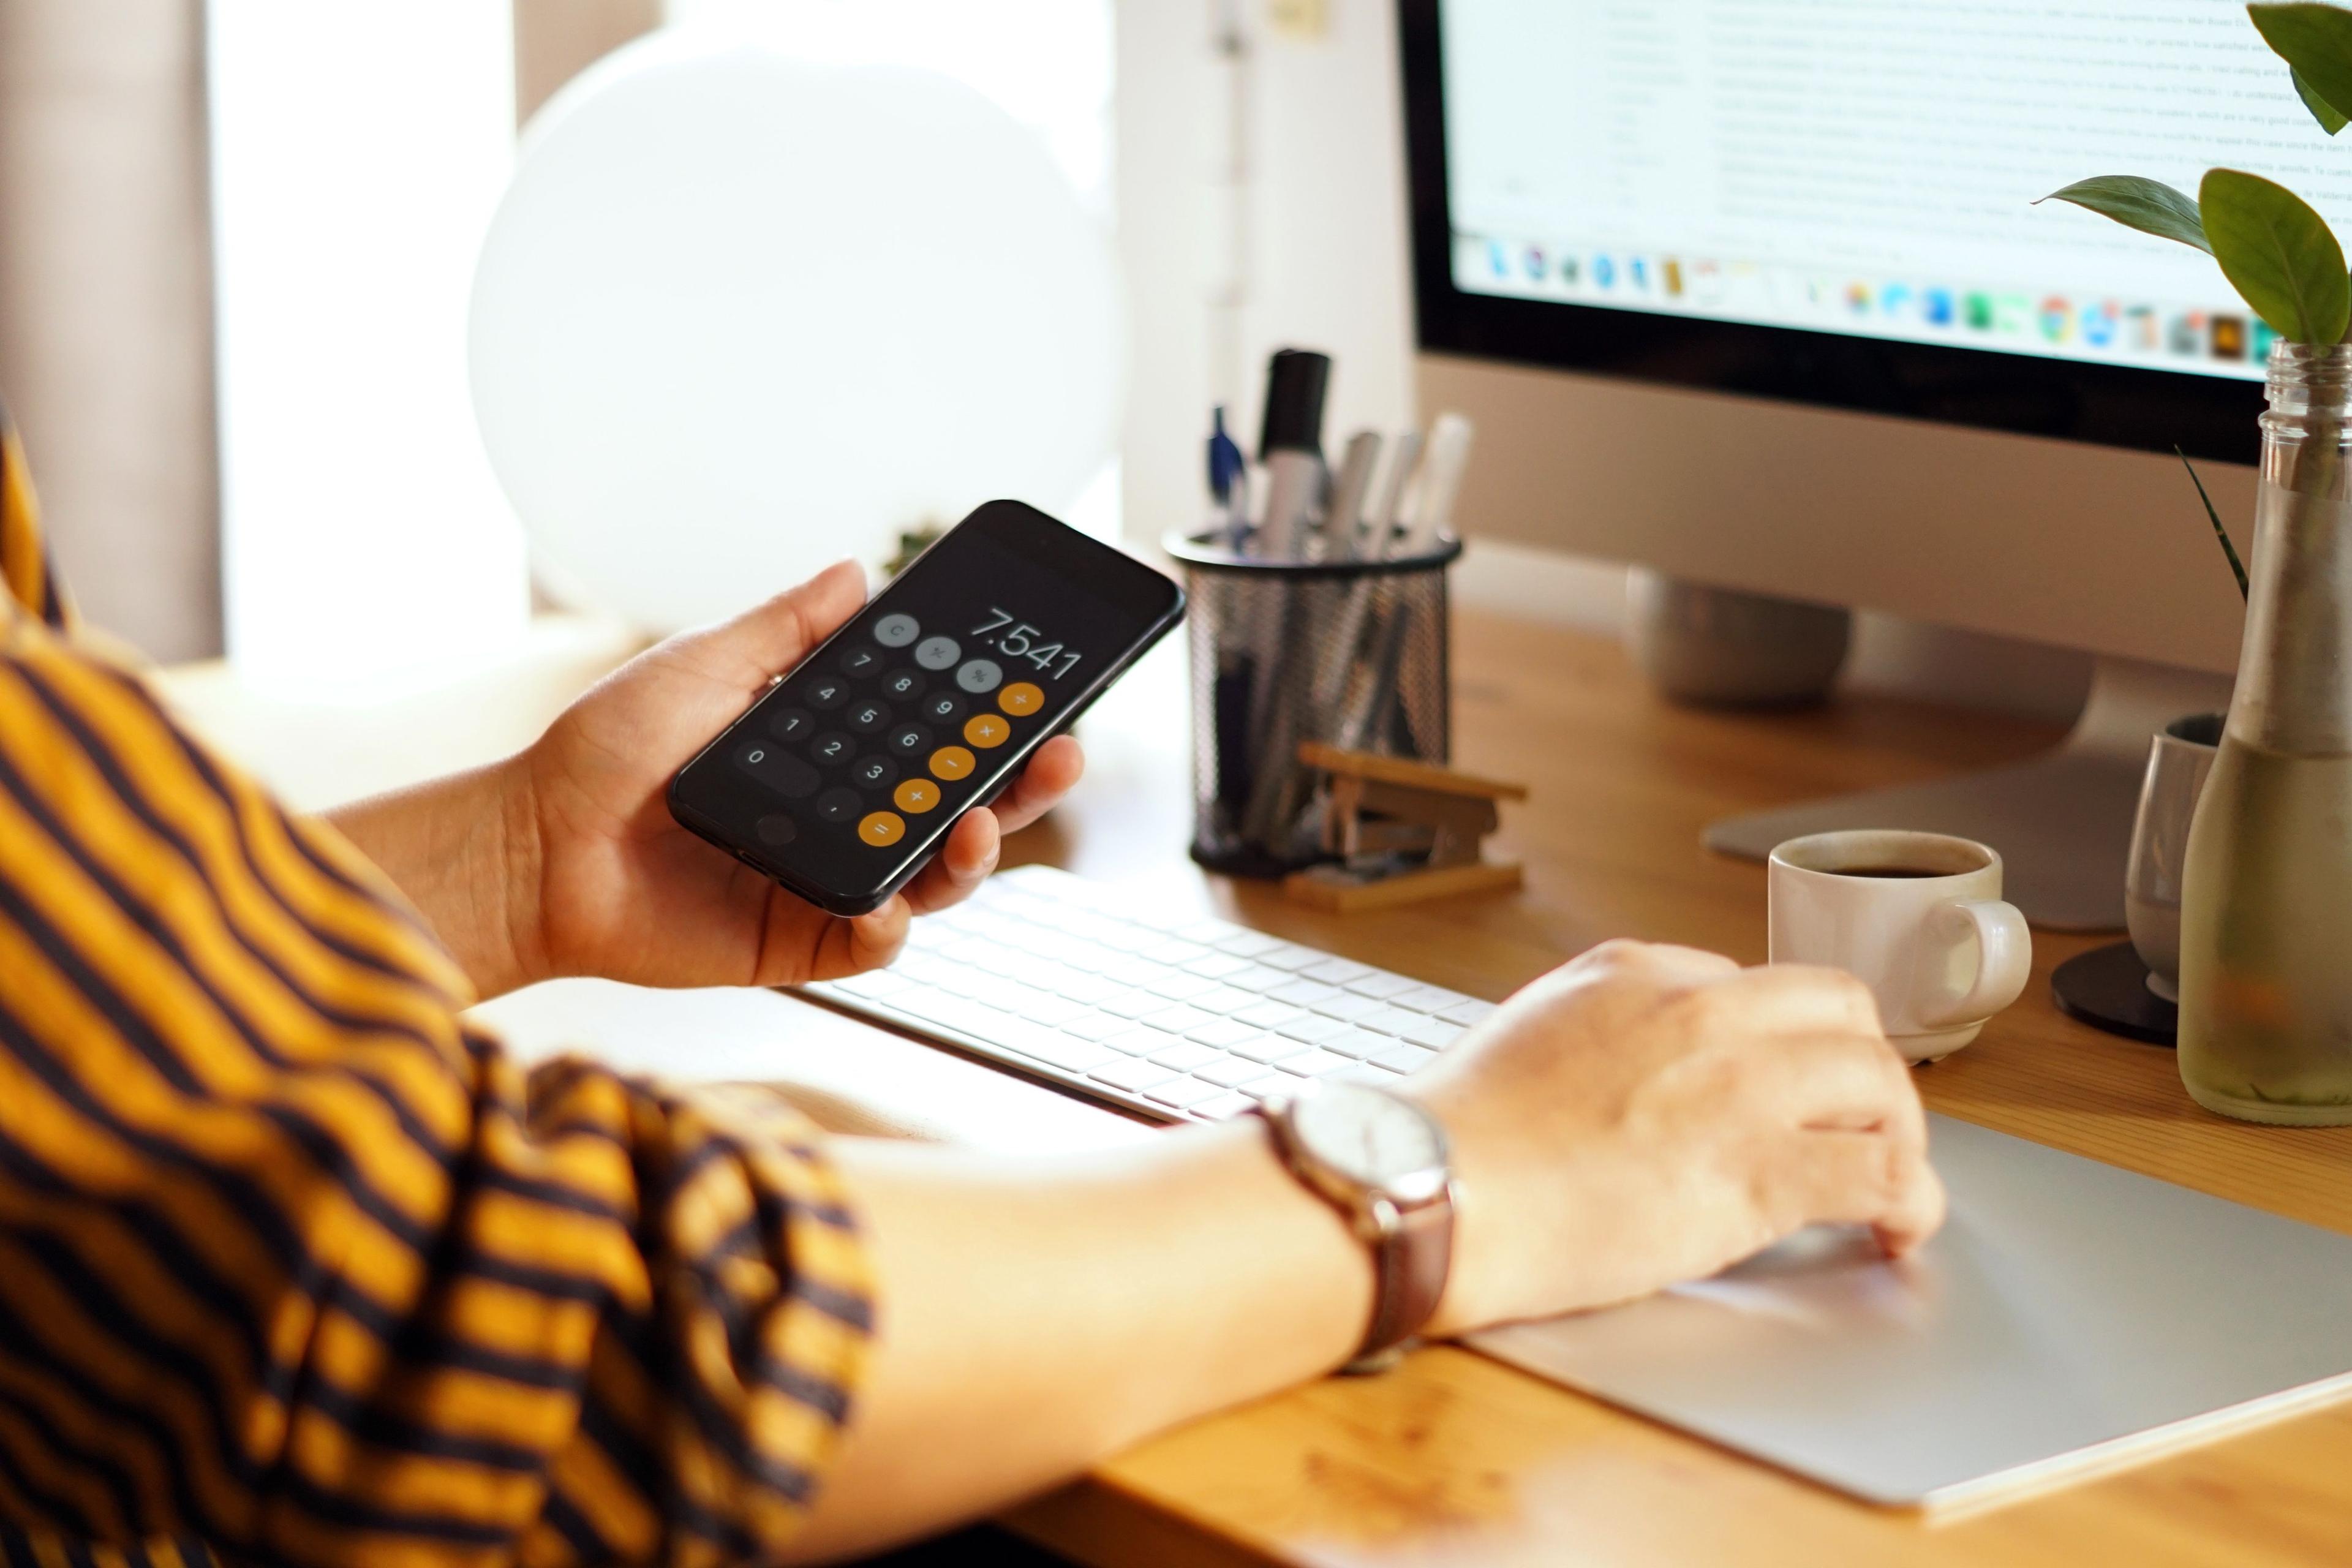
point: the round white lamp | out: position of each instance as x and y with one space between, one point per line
740 315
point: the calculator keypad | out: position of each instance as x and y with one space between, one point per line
896 739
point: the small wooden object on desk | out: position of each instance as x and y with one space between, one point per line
1404 831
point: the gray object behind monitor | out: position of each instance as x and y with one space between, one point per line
2070 1317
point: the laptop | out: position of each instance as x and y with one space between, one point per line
2069 1318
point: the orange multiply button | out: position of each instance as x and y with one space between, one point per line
951 762
918 796
1021 698
882 828
986 730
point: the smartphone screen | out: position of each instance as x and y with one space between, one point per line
845 778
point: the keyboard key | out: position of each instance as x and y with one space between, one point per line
1273 1015
1132 1003
1390 1020
1270 1049
1429 998
1216 966
1361 1042
1235 1072
1365 1072
1311 1028
1061 1051
1381 985
1436 1033
1178 1020
1344 1005
1095 1026
1167 921
1085 955
1314 1064
1210 933
875 984
1134 1074
1224 1001
1222 1032
1258 977
1184 1055
1406 1058
1135 1042
1091 989
1179 987
1134 972
1176 953
1248 944
1467 1013
1184 1092
1223 1108
1308 993
1337 970
1126 938
1055 1011
1291 956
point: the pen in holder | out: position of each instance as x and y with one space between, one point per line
1349 653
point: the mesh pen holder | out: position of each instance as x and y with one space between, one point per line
1353 653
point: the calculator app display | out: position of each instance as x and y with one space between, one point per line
923 706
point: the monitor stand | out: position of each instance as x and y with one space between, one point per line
2063 822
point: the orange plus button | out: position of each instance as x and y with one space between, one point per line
918 796
1021 698
882 828
951 762
986 730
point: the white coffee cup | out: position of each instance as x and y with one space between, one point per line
1916 916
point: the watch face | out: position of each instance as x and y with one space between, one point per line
1371 1138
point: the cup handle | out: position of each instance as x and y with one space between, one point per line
2004 962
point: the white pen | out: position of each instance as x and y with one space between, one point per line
1344 519
1441 482
1382 519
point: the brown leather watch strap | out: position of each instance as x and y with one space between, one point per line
1410 1260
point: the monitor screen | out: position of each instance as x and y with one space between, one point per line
1856 169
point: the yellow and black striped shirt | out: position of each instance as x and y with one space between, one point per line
295 1265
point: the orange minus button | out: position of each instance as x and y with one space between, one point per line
1021 698
918 796
882 828
951 762
986 730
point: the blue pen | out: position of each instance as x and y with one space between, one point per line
1228 479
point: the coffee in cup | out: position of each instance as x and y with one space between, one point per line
1916 916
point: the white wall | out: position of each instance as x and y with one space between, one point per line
1321 262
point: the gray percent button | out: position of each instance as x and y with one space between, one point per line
937 653
980 675
895 631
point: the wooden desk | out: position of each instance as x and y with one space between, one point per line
1453 1458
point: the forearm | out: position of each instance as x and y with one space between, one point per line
459 847
1036 1317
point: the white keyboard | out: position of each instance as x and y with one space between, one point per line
1169 1015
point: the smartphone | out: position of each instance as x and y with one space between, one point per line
845 778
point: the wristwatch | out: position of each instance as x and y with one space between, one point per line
1381 1160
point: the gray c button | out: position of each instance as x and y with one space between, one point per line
895 631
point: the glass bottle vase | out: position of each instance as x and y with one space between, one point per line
2266 894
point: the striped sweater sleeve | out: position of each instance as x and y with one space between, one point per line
297 1267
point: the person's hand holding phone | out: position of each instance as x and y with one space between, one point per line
605 882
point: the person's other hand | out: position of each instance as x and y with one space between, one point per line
608 884
1647 1115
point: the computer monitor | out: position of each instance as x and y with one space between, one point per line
1754 291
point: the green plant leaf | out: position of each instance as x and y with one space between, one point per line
2279 255
2236 567
2316 41
2321 109
2150 207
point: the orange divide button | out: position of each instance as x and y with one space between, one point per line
1021 698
